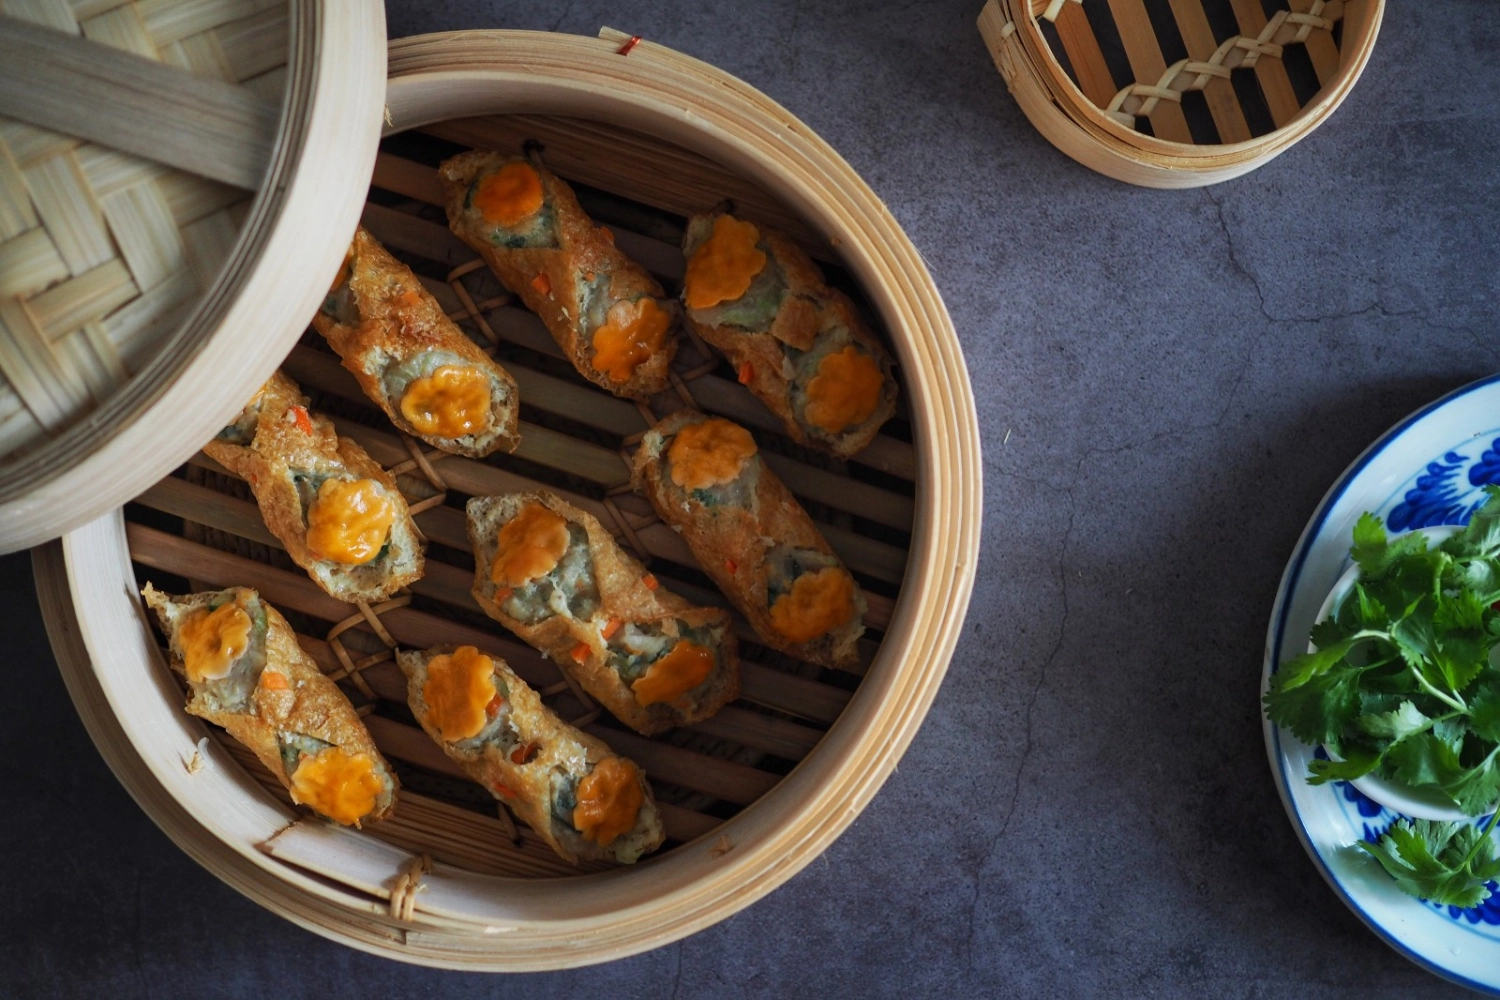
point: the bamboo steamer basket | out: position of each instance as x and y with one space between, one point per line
748 797
155 175
1204 91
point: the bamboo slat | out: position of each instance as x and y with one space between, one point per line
1270 73
1223 103
132 148
1084 54
109 88
749 796
1079 110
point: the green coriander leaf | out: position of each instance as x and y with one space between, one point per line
1326 633
1417 641
1451 732
1481 536
1395 725
1481 576
1318 710
1369 543
1301 669
1459 612
1403 552
1484 710
1460 657
1424 759
1427 860
1476 789
1356 764
1372 613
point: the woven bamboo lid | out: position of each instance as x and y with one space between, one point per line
158 162
1182 93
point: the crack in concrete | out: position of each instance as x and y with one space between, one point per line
1376 306
1026 749
563 16
1234 254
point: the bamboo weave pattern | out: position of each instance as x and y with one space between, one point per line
1285 28
103 254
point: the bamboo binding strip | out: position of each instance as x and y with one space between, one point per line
1178 93
748 797
149 150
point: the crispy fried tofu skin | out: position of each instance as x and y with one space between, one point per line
584 800
247 673
338 513
412 360
606 312
551 574
705 478
798 344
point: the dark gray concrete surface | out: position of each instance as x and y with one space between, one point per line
1167 383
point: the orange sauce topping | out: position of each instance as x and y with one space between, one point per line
451 402
510 195
609 799
817 602
529 546
677 673
710 453
212 640
334 783
631 333
349 521
724 265
460 686
845 391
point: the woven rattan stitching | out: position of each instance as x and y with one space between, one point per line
682 390
472 311
424 460
408 884
1055 8
512 833
623 523
1140 100
369 616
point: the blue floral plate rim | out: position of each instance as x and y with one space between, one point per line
1358 897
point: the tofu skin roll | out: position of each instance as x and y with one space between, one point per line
412 361
798 344
581 798
338 513
705 478
551 574
611 318
246 673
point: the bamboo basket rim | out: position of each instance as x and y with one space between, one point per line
1058 108
676 98
334 89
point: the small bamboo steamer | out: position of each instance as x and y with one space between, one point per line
1093 115
374 890
158 160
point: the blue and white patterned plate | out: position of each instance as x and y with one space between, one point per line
1428 470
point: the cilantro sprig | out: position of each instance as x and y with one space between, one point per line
1400 684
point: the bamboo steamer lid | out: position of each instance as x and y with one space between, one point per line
1203 93
440 884
159 163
